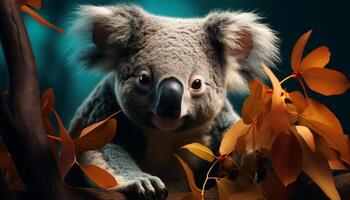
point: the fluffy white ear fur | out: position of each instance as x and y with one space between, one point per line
114 21
102 33
247 44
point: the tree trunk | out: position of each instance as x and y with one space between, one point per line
22 127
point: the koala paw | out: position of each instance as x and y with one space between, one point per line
144 187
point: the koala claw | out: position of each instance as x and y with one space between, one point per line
144 187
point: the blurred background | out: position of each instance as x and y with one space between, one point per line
71 83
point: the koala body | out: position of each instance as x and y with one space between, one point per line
170 77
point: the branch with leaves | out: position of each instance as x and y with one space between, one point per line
27 158
284 133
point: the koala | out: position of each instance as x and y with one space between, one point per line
170 77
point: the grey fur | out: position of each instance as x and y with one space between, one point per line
135 41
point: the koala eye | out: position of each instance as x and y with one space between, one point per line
197 85
144 79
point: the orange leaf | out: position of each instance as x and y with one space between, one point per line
298 51
230 190
38 18
306 134
253 105
92 127
200 150
97 137
298 101
277 88
326 81
286 156
334 160
320 119
34 3
265 138
318 58
190 178
229 139
337 165
47 102
278 107
67 148
316 167
274 188
47 99
99 176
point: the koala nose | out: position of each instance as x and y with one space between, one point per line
169 98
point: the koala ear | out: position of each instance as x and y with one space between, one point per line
105 33
245 42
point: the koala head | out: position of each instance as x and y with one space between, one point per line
171 73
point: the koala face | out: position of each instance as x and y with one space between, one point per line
170 82
173 74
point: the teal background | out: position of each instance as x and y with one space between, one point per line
71 83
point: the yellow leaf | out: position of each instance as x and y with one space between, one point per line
34 3
286 156
200 150
326 81
298 51
229 139
298 101
316 167
318 58
99 176
67 148
320 119
306 134
97 137
38 18
190 178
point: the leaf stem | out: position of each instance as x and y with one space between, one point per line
303 86
54 138
207 178
288 77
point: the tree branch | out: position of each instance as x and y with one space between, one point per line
22 126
